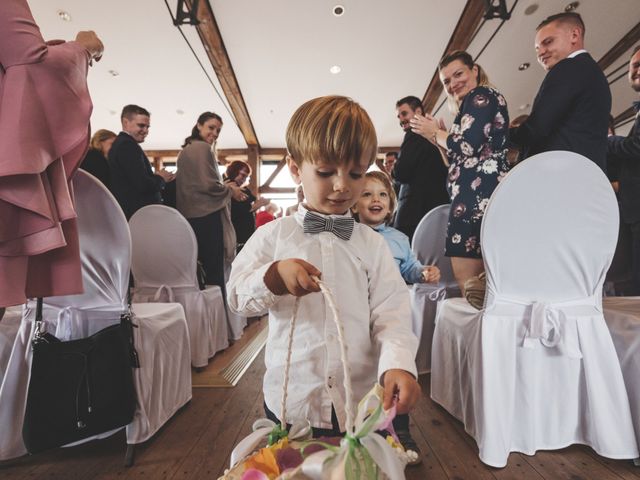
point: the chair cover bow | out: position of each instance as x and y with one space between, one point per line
549 324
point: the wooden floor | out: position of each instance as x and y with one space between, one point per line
197 442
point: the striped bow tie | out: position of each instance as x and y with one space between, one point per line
341 227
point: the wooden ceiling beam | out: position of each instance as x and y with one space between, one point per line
216 51
275 173
624 116
620 48
460 39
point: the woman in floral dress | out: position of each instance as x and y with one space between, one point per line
475 150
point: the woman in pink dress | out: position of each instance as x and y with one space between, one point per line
44 133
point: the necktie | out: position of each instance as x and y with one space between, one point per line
341 227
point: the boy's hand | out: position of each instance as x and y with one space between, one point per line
402 383
431 274
293 276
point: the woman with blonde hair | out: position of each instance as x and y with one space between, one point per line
95 161
475 150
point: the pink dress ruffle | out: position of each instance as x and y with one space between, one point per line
44 133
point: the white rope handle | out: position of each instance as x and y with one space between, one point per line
348 405
287 366
343 354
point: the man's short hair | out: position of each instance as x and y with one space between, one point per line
392 154
333 129
635 50
413 102
129 111
568 18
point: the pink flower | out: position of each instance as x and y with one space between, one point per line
476 183
253 474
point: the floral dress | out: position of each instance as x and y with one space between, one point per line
477 151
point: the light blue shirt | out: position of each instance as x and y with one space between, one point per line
410 267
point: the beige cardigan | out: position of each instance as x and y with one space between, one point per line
200 190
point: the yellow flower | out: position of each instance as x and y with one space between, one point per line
265 459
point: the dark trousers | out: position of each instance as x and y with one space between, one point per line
635 257
208 230
400 423
317 432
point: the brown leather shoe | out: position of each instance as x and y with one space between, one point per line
474 290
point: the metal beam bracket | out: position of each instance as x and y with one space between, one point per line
496 9
185 16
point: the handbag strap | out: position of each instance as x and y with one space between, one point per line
126 319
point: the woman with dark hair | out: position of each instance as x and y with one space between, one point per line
476 154
95 161
243 211
204 199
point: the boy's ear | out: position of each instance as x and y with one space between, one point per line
294 170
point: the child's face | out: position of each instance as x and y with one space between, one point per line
328 188
374 203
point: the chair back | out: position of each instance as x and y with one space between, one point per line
549 231
165 251
105 248
429 239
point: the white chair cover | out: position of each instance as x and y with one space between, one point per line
9 326
537 369
622 315
164 266
105 251
237 322
428 245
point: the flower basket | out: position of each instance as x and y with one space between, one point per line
271 452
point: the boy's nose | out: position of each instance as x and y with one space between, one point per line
339 185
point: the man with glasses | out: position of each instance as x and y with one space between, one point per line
133 182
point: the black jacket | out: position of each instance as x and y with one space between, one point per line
95 163
132 181
570 112
625 152
422 177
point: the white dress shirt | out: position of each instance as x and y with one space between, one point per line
373 304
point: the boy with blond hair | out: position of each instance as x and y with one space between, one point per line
331 143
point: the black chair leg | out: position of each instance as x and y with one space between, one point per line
129 456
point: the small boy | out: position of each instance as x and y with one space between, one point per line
331 143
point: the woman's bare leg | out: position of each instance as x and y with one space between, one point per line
465 268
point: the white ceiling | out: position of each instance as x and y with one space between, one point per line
281 52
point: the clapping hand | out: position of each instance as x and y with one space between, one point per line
90 41
166 175
425 125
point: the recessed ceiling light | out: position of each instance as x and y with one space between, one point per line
523 66
114 73
572 6
338 10
335 69
179 111
64 16
112 112
531 9
525 106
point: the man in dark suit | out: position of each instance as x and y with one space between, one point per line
625 152
571 108
133 182
419 170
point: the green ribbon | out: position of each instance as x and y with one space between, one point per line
277 434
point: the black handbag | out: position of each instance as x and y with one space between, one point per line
79 388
